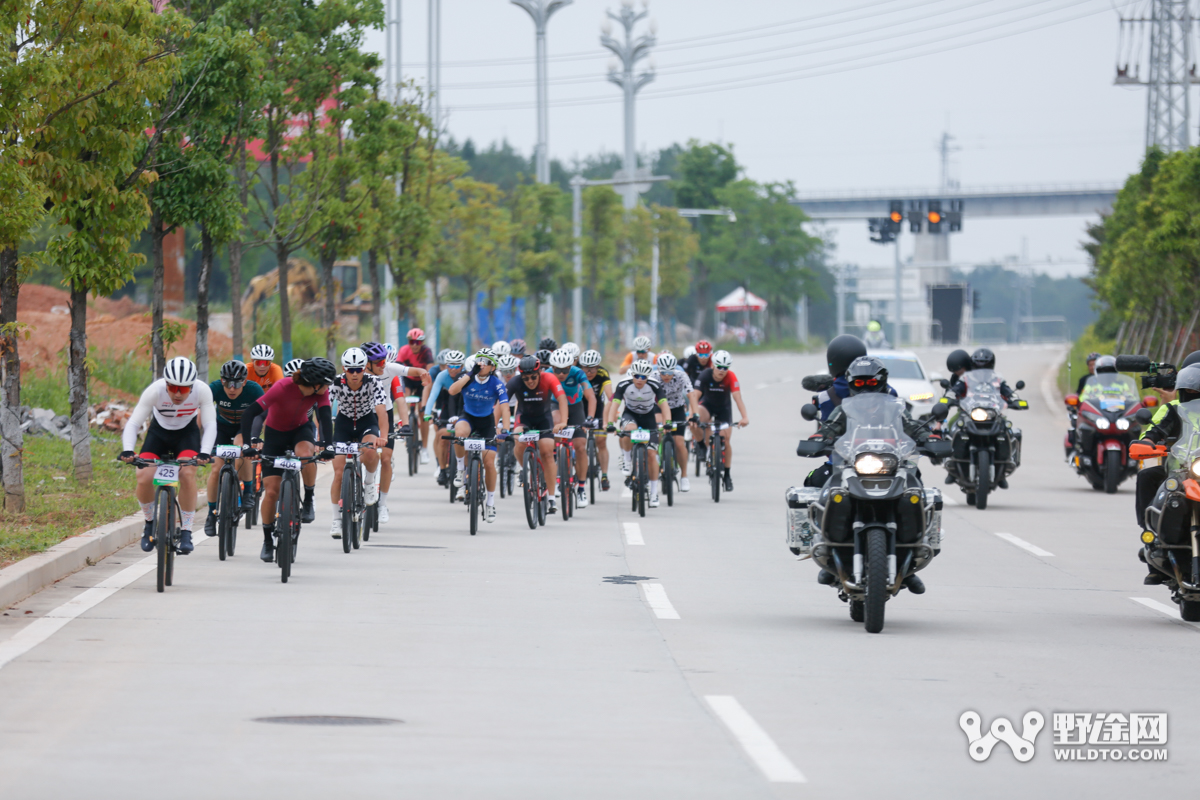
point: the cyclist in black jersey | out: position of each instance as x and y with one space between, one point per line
602 387
232 392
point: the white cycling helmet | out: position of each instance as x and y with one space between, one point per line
689 351
572 348
666 360
392 352
454 358
486 355
502 348
507 363
354 357
262 352
641 368
180 371
589 358
292 366
561 359
721 358
641 343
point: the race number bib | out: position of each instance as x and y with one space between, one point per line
640 436
290 464
345 448
227 452
166 475
473 445
566 433
530 436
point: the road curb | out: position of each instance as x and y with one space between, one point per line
30 575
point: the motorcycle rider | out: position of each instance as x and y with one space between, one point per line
1091 365
867 374
983 358
958 362
876 339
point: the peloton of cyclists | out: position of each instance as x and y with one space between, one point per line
581 413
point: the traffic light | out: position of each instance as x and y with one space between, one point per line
882 230
933 216
954 216
915 216
896 215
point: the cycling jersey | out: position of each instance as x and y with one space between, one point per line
639 401
229 412
171 416
440 384
631 356
480 399
354 404
421 357
676 385
693 366
715 395
287 408
537 402
573 384
273 376
601 380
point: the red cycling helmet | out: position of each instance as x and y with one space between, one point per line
703 347
416 334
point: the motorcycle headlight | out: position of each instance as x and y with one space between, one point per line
982 414
1195 469
1123 424
874 464
921 397
1102 424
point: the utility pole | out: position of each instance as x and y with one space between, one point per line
541 11
434 74
1169 77
628 53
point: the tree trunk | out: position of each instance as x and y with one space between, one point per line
12 442
206 270
157 356
330 311
376 308
235 295
77 375
285 311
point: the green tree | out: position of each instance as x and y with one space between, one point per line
477 236
704 169
603 276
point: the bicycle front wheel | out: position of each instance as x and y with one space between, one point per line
716 465
227 514
284 523
347 501
474 479
163 533
564 481
666 469
642 484
529 493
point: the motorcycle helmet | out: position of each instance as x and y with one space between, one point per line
842 351
1192 358
959 360
233 370
316 372
1106 364
867 374
983 358
1187 383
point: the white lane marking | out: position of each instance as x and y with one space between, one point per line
656 598
950 501
761 748
1024 545
633 533
1163 608
42 629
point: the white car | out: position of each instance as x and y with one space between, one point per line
908 377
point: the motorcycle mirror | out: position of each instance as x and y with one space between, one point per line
817 383
945 384
1144 415
1020 385
1133 363
810 448
939 411
935 377
809 412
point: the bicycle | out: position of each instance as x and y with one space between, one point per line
533 480
593 469
451 461
715 462
288 519
412 441
506 466
639 479
666 462
356 518
167 514
564 462
256 485
229 496
474 482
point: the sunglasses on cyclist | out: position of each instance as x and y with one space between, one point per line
529 376
262 363
354 370
233 384
861 382
562 370
173 389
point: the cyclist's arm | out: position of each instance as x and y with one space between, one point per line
626 363
325 424
457 386
562 409
590 395
393 370
662 411
381 414
141 413
208 417
737 398
251 413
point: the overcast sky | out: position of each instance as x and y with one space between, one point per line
849 94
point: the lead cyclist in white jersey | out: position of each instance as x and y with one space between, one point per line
178 407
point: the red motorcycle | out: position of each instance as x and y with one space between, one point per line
1105 426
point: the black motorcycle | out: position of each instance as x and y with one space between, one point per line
873 524
987 448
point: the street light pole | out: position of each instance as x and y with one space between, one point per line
577 184
541 11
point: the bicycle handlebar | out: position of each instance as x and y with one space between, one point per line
154 462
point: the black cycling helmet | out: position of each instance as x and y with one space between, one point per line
1106 364
983 358
543 355
316 372
867 374
233 370
1192 358
841 351
959 359
529 364
1187 383
547 344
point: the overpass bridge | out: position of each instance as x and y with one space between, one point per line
1045 200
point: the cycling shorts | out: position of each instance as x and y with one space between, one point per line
351 430
646 421
576 416
227 433
276 443
543 423
483 427
168 445
679 414
722 416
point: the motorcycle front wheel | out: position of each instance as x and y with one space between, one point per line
876 580
983 478
1112 471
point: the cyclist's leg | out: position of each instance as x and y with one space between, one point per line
270 496
727 448
705 418
489 472
335 486
145 489
211 485
387 444
602 452
679 417
343 432
546 449
576 418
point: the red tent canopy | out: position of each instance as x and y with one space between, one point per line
741 300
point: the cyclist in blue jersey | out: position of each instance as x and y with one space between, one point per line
481 389
441 407
581 412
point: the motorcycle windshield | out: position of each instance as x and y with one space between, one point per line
983 390
1110 392
874 424
1187 447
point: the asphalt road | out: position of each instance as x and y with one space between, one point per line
518 671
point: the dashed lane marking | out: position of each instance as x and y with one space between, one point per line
656 598
761 748
633 533
1024 545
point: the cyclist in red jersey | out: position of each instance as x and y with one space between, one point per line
417 354
716 389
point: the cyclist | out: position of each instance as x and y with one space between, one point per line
481 389
178 406
581 413
640 402
417 354
507 367
231 394
362 403
531 394
290 368
677 387
602 387
573 349
640 352
265 372
308 471
698 360
502 348
713 389
688 352
287 427
517 346
548 344
442 406
388 373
